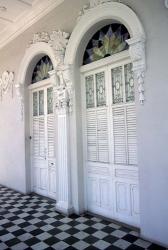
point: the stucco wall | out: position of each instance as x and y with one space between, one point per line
152 117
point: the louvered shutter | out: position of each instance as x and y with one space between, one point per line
102 136
91 135
119 133
50 131
124 132
131 135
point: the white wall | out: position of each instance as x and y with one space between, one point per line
152 117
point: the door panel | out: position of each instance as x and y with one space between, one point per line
43 142
110 147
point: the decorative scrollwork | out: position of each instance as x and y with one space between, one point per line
6 83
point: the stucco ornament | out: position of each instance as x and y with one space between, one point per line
137 54
62 81
40 37
20 94
6 83
93 4
61 75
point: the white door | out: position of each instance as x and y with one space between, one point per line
110 144
43 159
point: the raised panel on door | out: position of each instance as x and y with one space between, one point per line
105 192
92 191
122 199
134 200
43 178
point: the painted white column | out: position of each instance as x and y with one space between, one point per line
64 174
62 103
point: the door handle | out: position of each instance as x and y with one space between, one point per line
45 153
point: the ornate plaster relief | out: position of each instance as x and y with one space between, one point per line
6 84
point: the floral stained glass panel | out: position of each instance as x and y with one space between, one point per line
100 89
129 83
89 83
50 100
41 102
41 70
117 85
35 104
108 41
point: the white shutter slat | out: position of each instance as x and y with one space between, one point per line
51 141
91 135
131 135
119 134
41 136
102 136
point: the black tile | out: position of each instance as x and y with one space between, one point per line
110 239
71 240
91 239
12 242
156 247
32 241
51 241
130 238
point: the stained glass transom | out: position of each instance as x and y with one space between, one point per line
50 100
41 102
35 104
129 83
41 69
100 89
117 85
89 81
110 40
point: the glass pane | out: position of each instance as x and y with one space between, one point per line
50 100
41 102
129 83
89 91
35 104
100 89
117 85
109 40
41 69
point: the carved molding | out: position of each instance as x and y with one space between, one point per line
61 75
57 40
61 79
137 54
6 84
93 4
20 94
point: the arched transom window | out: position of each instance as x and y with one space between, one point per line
41 69
109 40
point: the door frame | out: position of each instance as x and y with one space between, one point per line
92 68
31 88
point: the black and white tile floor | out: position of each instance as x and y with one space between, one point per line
30 222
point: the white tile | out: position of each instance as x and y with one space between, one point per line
118 233
80 245
60 245
101 244
63 235
81 226
142 243
122 244
81 235
100 234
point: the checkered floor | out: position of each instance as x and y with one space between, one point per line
30 222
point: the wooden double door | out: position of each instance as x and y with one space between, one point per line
42 132
110 141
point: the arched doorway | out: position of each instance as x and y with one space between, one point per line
35 92
105 84
42 135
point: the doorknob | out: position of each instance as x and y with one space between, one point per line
45 153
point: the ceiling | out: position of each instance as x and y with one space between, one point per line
18 15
